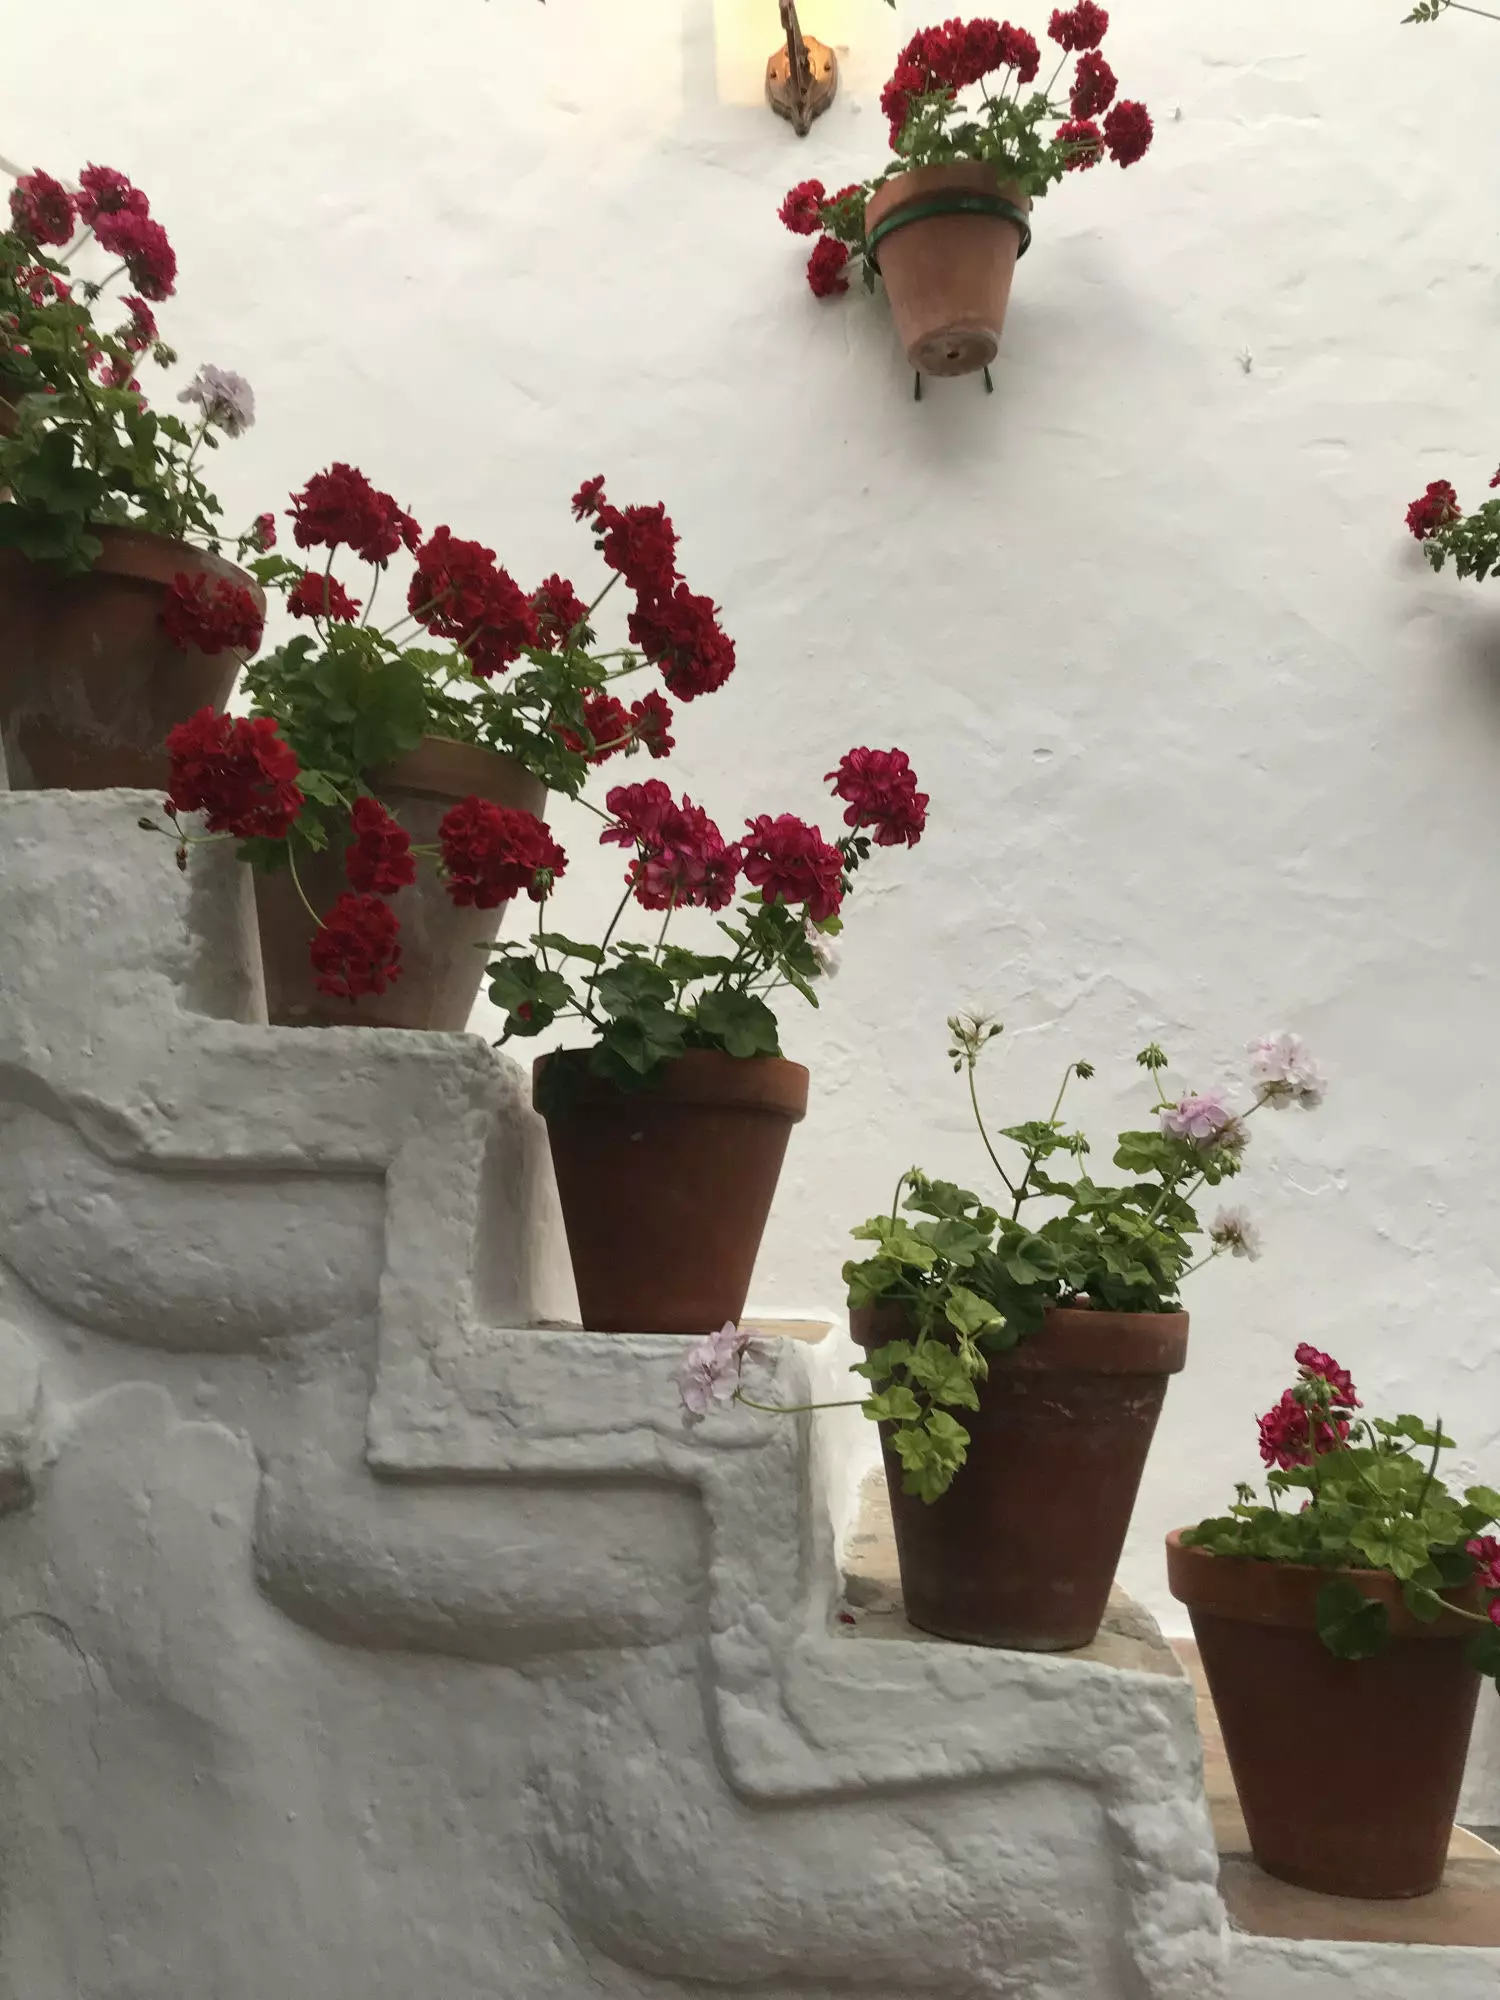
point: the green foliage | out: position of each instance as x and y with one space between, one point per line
1471 543
1369 1501
82 456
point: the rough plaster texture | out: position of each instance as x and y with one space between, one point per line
359 1637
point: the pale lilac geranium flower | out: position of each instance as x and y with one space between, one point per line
1233 1230
226 399
1201 1117
710 1370
1285 1073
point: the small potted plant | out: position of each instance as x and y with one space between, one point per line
431 737
944 223
668 1129
1019 1352
120 614
1361 1598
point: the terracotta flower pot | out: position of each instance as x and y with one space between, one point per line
1021 1550
665 1192
89 681
442 955
1348 1771
946 240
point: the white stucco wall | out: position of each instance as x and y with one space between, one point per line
1209 751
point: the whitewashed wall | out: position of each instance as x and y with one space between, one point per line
1209 752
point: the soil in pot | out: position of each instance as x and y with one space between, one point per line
1348 1771
89 681
1022 1548
442 946
947 239
665 1191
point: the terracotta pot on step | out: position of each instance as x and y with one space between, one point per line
946 240
442 956
665 1192
1021 1550
89 682
1348 1771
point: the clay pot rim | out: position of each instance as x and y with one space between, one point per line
1077 1340
1251 1591
698 1076
445 767
150 558
918 182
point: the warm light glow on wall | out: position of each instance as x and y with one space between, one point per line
746 31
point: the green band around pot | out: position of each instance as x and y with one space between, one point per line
957 201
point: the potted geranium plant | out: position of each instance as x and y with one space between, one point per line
1361 1596
433 737
945 221
1019 1351
120 614
669 1127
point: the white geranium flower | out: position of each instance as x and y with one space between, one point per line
226 399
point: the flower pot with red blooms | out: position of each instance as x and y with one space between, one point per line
390 783
119 614
1023 1346
415 803
944 223
1344 1629
96 668
669 1129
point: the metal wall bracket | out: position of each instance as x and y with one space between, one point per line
802 79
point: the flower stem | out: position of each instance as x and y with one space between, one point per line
796 1409
984 1135
291 862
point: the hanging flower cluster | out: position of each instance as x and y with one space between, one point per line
1008 130
1470 541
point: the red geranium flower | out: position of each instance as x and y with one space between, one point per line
1094 86
215 620
264 531
142 244
41 208
825 268
1433 510
459 592
908 80
560 612
651 724
1486 1553
355 952
682 635
142 328
608 725
589 498
340 508
103 191
1290 1434
1019 51
381 857
802 209
881 789
641 544
1127 132
681 858
1080 27
493 852
318 596
1086 144
1322 1367
237 770
789 861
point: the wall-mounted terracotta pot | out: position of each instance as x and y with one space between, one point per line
946 240
442 946
1348 1771
89 681
665 1192
1021 1550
